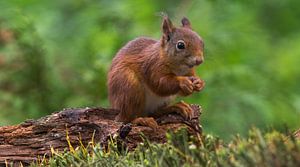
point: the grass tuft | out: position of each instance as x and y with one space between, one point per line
258 149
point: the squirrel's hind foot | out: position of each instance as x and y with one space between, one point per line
146 121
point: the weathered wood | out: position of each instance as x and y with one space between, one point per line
34 138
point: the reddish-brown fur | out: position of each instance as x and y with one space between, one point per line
146 68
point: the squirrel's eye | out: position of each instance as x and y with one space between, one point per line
180 45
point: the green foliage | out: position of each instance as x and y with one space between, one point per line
56 54
270 149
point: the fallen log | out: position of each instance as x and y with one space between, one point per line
32 139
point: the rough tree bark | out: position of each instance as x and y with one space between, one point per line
34 138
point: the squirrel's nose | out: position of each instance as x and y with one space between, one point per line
198 61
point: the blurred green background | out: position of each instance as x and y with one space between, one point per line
56 54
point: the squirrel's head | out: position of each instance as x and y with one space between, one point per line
182 47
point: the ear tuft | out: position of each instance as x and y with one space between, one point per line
186 23
167 27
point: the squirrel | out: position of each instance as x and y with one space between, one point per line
146 74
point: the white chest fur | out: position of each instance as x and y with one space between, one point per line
153 101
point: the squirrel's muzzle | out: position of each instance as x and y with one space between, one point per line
198 60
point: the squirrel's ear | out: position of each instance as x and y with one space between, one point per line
186 23
167 27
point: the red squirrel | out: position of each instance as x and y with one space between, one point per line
147 74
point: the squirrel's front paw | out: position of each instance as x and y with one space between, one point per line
186 85
198 84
